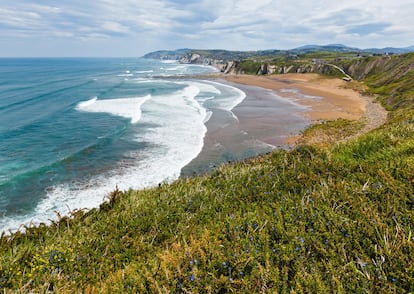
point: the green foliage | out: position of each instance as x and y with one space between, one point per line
330 132
309 220
389 77
249 66
339 220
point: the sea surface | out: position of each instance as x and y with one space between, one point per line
71 130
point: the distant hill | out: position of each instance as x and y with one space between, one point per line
391 50
216 54
167 54
325 48
226 55
344 48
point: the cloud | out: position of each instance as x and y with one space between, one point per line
367 29
115 27
12 19
230 24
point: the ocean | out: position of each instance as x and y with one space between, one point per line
71 130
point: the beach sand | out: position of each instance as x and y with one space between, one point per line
276 109
335 101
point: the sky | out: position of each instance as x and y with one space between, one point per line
131 28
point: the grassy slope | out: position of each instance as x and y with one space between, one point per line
338 219
390 77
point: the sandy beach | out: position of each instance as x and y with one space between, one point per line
275 111
328 99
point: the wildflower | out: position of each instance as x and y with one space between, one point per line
192 278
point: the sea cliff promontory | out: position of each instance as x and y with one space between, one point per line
333 60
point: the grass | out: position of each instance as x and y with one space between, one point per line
328 133
320 220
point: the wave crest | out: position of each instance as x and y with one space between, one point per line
124 107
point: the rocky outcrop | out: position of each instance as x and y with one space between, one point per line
268 69
359 68
230 67
227 67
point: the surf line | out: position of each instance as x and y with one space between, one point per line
125 107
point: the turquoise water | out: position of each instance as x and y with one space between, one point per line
71 130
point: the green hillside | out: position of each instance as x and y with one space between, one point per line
309 220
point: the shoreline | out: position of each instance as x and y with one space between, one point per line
325 99
335 101
257 125
275 111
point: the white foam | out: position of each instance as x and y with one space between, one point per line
232 99
87 103
143 80
125 107
144 71
208 116
175 68
180 129
204 87
204 99
169 61
175 139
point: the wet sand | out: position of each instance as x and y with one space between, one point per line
335 101
276 109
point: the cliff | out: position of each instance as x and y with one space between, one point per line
390 76
305 59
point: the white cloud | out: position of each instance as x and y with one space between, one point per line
115 27
230 24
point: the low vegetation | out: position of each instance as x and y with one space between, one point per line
336 218
328 133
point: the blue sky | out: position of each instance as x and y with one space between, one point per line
133 28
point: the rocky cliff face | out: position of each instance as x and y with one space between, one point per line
228 67
268 69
